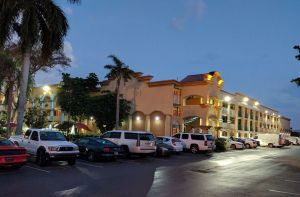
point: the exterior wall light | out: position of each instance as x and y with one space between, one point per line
227 98
220 82
92 118
245 99
279 116
157 118
209 77
46 89
138 118
256 103
266 112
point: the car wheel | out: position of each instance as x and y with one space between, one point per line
270 145
71 162
41 158
91 156
232 146
194 149
126 151
247 146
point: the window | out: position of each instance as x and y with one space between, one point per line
27 134
34 136
232 120
146 137
131 136
185 136
83 141
197 137
106 135
224 119
225 105
166 139
177 136
232 106
209 137
51 136
224 133
211 101
116 135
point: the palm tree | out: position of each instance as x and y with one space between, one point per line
9 75
119 71
36 23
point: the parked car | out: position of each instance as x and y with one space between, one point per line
47 145
248 143
172 141
11 154
132 142
270 139
294 140
163 149
256 141
235 144
94 148
196 142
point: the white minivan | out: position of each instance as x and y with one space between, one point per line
270 139
132 142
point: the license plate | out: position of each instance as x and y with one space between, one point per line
9 159
116 153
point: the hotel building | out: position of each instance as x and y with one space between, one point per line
197 103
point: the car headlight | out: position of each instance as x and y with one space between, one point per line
53 148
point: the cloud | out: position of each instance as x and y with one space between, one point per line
68 50
68 10
193 9
46 78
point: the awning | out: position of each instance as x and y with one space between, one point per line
82 126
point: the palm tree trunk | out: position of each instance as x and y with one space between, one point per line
118 104
23 90
9 106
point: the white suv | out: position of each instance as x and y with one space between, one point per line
196 142
132 142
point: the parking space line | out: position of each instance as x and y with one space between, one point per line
292 181
46 171
91 165
283 192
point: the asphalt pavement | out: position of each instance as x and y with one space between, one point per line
253 172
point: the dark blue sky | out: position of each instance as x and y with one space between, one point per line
249 42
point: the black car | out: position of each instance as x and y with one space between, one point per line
163 149
95 148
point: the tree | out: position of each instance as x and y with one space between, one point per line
102 109
10 72
36 117
73 94
297 80
119 72
35 22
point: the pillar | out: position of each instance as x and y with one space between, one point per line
130 123
148 123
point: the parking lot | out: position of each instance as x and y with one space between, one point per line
251 172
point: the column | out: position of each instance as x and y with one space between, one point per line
148 123
168 127
52 111
130 123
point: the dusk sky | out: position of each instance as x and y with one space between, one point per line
250 42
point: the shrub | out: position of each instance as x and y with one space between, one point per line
221 144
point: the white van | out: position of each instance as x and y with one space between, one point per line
132 142
270 139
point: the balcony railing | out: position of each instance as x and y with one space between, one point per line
232 113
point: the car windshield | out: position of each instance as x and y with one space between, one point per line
147 137
51 136
5 142
105 142
209 137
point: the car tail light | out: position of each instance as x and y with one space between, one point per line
106 149
173 142
205 143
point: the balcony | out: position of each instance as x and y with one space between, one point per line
240 114
232 113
